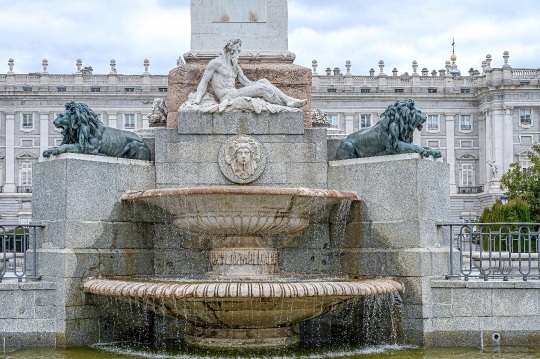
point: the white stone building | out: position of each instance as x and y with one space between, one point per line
481 122
29 103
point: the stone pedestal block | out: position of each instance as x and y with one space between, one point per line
88 233
292 79
404 197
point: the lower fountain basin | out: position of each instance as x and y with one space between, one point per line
232 315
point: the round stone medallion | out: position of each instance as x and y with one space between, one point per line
242 159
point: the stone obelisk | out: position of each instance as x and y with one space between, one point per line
262 25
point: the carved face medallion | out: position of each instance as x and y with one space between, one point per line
242 159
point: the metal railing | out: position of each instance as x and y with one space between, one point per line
470 190
24 189
18 258
494 250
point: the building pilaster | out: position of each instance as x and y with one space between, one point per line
9 185
43 133
497 122
508 138
349 123
450 150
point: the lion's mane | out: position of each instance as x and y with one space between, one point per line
400 121
83 124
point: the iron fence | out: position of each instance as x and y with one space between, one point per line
18 258
494 250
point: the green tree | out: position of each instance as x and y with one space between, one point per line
516 210
525 184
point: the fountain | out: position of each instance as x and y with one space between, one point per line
245 307
240 223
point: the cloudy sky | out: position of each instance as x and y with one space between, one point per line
332 32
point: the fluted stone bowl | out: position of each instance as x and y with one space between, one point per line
241 210
235 313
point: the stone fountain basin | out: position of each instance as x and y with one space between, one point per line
241 210
242 305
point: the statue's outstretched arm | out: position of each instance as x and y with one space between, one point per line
207 76
242 78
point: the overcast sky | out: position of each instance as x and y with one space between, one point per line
331 31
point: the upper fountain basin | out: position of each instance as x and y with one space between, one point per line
241 211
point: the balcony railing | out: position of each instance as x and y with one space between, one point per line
470 190
24 189
18 259
494 251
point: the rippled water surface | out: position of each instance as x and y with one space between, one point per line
119 351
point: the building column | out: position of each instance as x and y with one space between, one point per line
497 122
43 133
374 118
450 150
508 138
349 123
489 151
9 185
112 120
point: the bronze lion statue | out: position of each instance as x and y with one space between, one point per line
393 134
84 133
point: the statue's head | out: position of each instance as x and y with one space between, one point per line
233 48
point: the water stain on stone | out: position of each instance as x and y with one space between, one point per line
253 17
225 18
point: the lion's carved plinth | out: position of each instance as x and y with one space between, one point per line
84 133
393 134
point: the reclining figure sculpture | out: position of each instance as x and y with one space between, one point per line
222 72
392 134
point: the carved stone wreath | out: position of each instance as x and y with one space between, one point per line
242 159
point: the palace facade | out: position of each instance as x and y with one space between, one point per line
481 121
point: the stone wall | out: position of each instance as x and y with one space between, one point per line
27 314
292 79
293 160
88 233
476 312
403 199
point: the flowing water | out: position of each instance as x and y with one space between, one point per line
125 351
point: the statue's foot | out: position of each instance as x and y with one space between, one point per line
296 103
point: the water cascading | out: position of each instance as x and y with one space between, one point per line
243 302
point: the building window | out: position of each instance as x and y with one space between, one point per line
432 90
61 89
365 121
525 117
467 175
398 90
162 89
433 123
365 90
27 121
525 163
129 121
465 123
95 89
465 90
332 90
129 89
525 83
26 174
27 89
333 119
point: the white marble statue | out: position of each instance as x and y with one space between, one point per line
222 72
158 117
